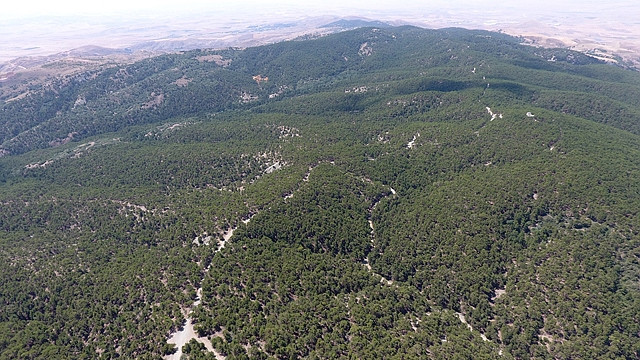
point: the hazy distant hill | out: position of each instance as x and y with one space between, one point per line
376 193
354 24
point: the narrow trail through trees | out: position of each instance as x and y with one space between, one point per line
373 235
188 333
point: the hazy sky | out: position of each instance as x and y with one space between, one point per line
24 8
27 8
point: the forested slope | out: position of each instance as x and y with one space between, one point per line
411 194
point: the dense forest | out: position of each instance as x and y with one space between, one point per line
389 192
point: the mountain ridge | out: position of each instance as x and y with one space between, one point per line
562 56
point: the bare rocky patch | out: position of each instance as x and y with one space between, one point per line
218 59
365 49
155 101
182 82
62 141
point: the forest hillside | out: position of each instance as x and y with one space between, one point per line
389 192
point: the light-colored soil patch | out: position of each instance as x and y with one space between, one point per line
464 321
274 167
21 96
218 59
499 293
493 115
365 50
184 336
76 152
156 100
260 79
246 97
182 82
412 143
62 141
